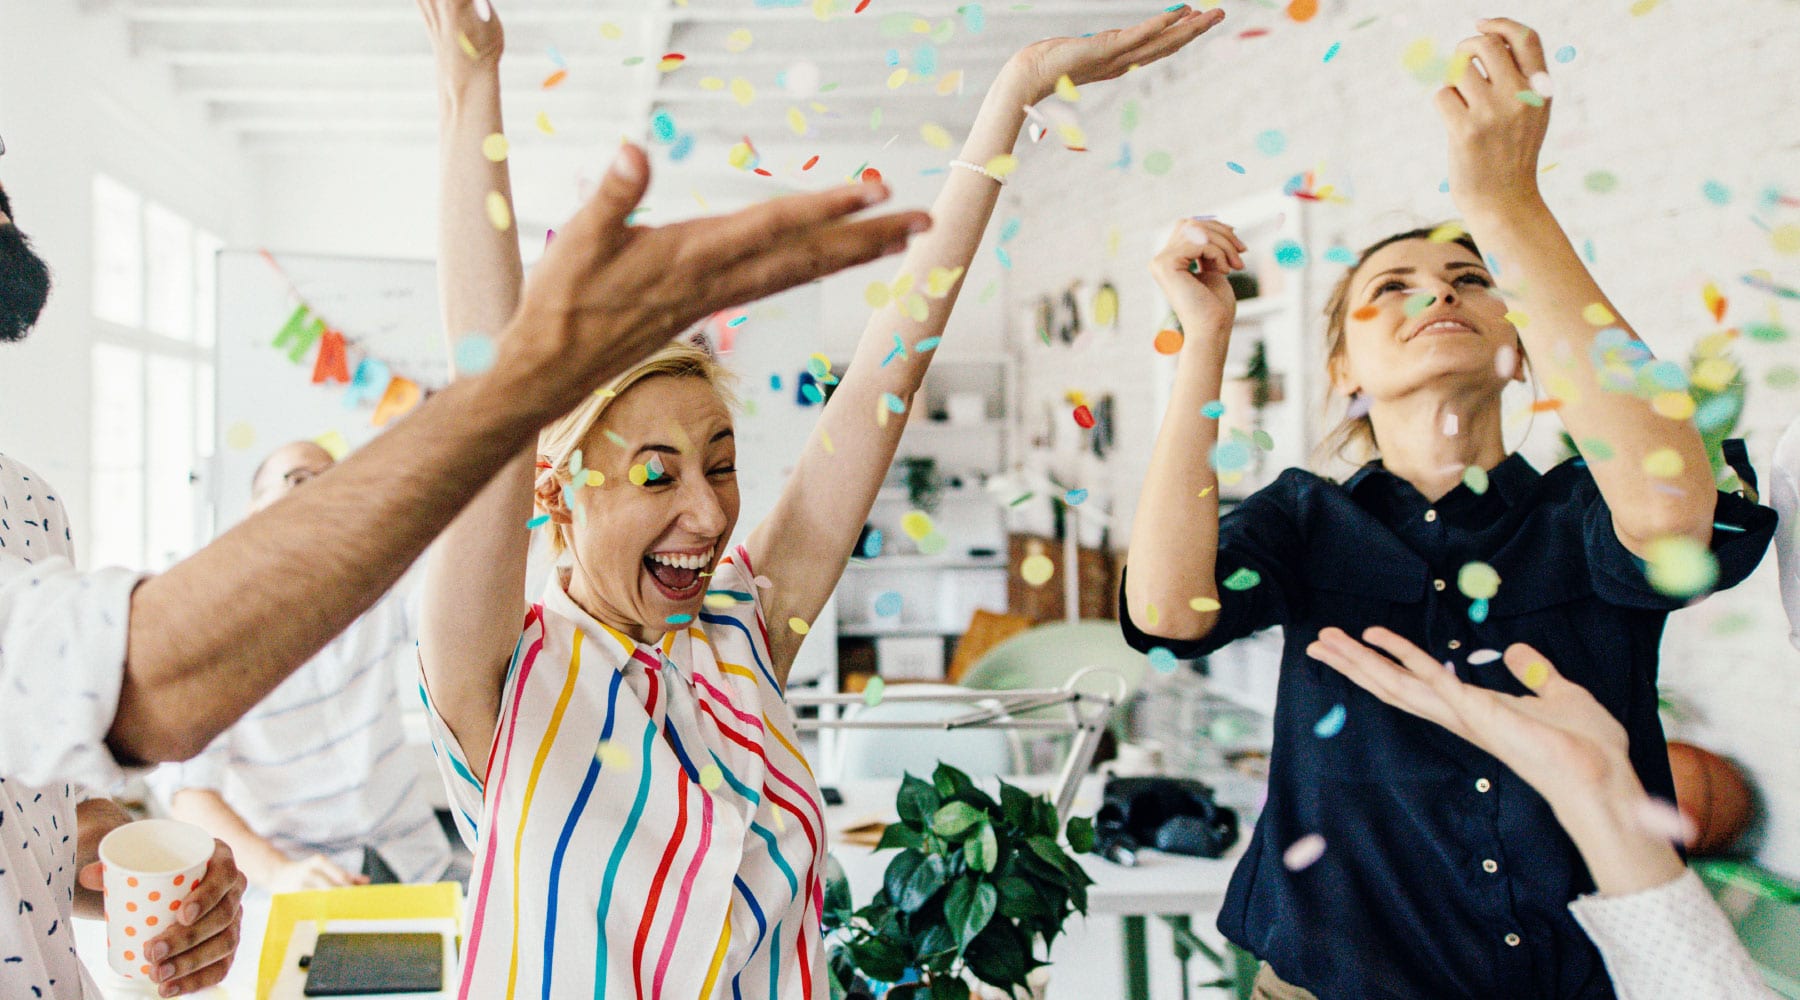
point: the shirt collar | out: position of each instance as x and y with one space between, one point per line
1513 478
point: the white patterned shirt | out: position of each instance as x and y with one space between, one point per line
1668 942
62 660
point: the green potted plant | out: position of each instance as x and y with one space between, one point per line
977 885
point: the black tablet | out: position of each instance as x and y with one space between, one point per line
348 965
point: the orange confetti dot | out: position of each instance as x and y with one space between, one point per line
811 163
555 78
1546 405
175 907
1168 342
671 62
1084 417
1365 313
871 176
1303 10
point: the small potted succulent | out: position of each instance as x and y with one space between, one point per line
977 886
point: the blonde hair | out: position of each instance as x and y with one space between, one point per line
1353 439
558 442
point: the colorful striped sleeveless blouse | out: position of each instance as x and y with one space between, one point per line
647 827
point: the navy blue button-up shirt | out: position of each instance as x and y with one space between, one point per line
1444 875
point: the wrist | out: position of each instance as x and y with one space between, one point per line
463 81
1508 209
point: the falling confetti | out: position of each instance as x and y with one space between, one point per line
1158 163
799 626
1303 852
1566 54
873 691
1290 254
474 354
1084 417
916 524
1597 314
1331 53
1037 569
1481 657
1476 479
498 211
611 754
1330 724
1242 579
1272 142
1418 303
1236 168
534 523
682 619
1478 581
1075 498
1536 673
1065 89
1204 604
543 123
1213 410
1167 341
495 147
1162 660
1680 567
1663 463
935 135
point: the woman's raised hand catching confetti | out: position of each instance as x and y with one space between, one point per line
1191 270
1039 68
465 35
1496 111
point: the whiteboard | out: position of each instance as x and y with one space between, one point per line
389 306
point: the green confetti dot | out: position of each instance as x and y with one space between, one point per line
1264 440
1783 377
1476 479
1596 450
1416 304
1530 97
1242 579
1158 163
1600 181
1768 333
1478 581
873 691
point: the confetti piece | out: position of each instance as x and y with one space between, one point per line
543 123
1235 168
1037 570
877 294
873 691
1084 417
1566 54
739 40
1366 313
1715 301
1331 53
474 354
1449 232
764 583
611 31
468 47
1075 498
742 92
1271 142
611 754
799 626
638 475
927 345
888 604
1600 181
1264 440
1674 405
1230 456
1290 254
1532 98
1716 193
916 524
1482 657
1341 255
1478 581
1476 479
716 600
1786 239
1536 674
871 176
1302 11
498 211
933 543
537 522
1065 89
678 619
1002 165
555 79
939 281
1642 7
935 135
1418 303
1302 853
240 435
1517 319
1680 567
1478 610
1158 163
1242 579
495 148
1162 660
1597 314
671 62
1660 818
1331 723
711 777
1168 342
1204 604
1106 306
1664 463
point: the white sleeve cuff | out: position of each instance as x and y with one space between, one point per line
62 661
1670 941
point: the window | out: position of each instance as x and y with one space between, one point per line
152 380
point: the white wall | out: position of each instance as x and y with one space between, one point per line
1664 101
73 103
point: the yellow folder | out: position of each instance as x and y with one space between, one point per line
362 902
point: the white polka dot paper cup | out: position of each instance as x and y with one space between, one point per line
151 867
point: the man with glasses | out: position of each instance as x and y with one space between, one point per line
313 780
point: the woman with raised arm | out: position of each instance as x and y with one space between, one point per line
625 765
1442 875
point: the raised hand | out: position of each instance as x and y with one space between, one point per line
1557 738
606 294
1496 113
1106 55
1191 270
464 33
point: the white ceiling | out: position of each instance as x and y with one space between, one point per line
278 72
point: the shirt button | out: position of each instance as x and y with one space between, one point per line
1490 866
1455 643
1431 515
1437 585
1512 940
1482 785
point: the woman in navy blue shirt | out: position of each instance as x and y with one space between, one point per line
1443 875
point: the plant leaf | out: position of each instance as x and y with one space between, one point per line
1019 898
950 782
968 907
1081 835
998 955
983 849
901 835
955 819
949 987
1015 806
899 871
923 882
916 801
878 958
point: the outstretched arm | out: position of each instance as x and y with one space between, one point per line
804 544
1646 455
474 589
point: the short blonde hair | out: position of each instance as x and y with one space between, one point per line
558 442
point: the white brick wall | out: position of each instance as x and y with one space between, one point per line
1684 94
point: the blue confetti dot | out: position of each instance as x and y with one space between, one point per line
1330 724
1271 142
893 58
1075 498
1004 257
679 619
928 344
1290 254
684 145
662 127
1009 229
1444 186
1716 413
1716 193
1230 456
1236 168
774 382
1341 255
888 604
1587 250
1332 52
925 60
974 18
1478 610
1213 410
1162 660
872 545
474 354
1566 54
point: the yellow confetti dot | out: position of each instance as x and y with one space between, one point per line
915 308
1065 89
799 626
1204 604
1597 314
1002 165
495 147
916 524
240 436
1037 570
1786 239
719 602
1446 233
671 63
902 285
639 475
1642 7
935 135
1072 135
877 294
825 442
739 40
950 83
1457 65
498 211
334 444
468 47
897 78
796 120
1106 307
940 280
1478 581
739 156
543 123
711 83
1675 405
742 92
1664 463
611 32
711 777
1679 566
1518 319
1536 674
611 754
1152 614
596 478
1714 374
